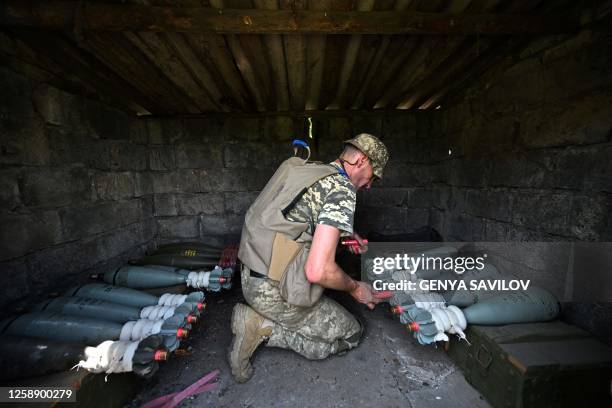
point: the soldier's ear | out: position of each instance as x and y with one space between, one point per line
365 159
362 159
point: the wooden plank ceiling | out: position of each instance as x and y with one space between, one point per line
307 62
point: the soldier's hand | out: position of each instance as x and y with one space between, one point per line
361 249
365 293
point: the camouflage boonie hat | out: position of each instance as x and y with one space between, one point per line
374 149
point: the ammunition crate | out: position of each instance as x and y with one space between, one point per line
535 365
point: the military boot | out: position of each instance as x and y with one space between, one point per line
250 329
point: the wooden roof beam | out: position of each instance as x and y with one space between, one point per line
241 60
65 15
350 56
276 56
103 80
295 54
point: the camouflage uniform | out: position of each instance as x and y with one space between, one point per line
325 328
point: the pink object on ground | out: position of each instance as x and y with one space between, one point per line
198 387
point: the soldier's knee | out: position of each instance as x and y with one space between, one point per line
356 336
352 339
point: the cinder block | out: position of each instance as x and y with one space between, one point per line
165 205
542 211
9 188
167 182
239 202
161 158
255 155
178 227
143 184
138 131
522 234
401 127
86 221
242 129
457 227
280 129
424 126
57 264
419 198
149 229
24 142
203 130
155 131
174 131
66 146
579 121
436 220
127 156
98 155
529 170
258 178
202 203
457 117
220 240
398 174
457 202
199 180
477 228
118 241
494 204
384 197
55 187
390 220
114 186
199 156
470 171
366 124
589 216
14 283
24 233
147 207
441 195
368 219
219 180
414 218
221 224
584 168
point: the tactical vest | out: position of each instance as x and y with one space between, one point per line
274 246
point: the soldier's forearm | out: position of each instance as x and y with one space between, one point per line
333 277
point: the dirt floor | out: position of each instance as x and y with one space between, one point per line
389 369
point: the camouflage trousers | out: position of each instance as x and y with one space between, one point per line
314 332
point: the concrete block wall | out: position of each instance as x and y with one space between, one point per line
207 171
84 187
531 148
75 196
531 153
399 203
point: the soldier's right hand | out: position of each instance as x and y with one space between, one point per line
365 293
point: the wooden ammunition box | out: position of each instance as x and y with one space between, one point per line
535 365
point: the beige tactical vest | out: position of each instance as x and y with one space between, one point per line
268 243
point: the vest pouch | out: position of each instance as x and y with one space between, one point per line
294 287
284 250
287 268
